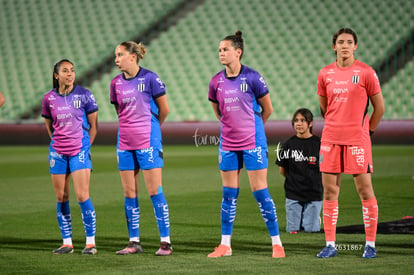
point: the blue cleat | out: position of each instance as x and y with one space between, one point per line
327 252
369 252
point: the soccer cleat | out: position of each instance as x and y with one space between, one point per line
89 250
220 251
369 252
278 251
132 248
327 252
64 249
165 249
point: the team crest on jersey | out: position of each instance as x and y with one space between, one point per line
77 102
355 79
243 85
141 87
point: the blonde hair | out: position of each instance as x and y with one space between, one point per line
134 47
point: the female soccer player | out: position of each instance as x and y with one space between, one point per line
241 102
141 103
71 117
299 164
345 89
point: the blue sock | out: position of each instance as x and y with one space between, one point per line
132 214
268 210
228 209
88 217
64 219
161 214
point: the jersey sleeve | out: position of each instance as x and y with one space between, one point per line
45 108
91 105
157 86
372 82
321 86
259 86
212 93
112 93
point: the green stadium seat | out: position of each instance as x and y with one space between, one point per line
287 42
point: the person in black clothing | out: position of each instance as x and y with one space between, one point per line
298 160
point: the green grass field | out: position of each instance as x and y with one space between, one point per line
29 231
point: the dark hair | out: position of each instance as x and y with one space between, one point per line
344 30
306 113
56 71
134 47
236 41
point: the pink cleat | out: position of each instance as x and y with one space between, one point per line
220 251
165 249
278 251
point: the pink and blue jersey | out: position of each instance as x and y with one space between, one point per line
69 119
137 110
237 98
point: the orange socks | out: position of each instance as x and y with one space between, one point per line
330 217
369 212
370 215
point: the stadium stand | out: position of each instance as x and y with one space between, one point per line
288 42
35 34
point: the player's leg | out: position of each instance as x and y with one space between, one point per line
331 184
359 163
311 216
256 162
60 180
63 215
258 184
151 162
129 173
294 211
331 166
81 186
153 179
81 166
230 164
369 212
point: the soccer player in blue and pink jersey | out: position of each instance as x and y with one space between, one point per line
345 89
140 100
241 101
71 117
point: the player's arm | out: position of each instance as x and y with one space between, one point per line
216 110
48 123
323 103
282 171
377 102
163 108
267 107
2 99
93 125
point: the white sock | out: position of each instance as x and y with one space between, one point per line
330 243
226 240
166 239
90 240
67 241
134 239
372 244
276 240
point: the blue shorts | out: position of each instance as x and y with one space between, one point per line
144 159
304 216
62 165
254 159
